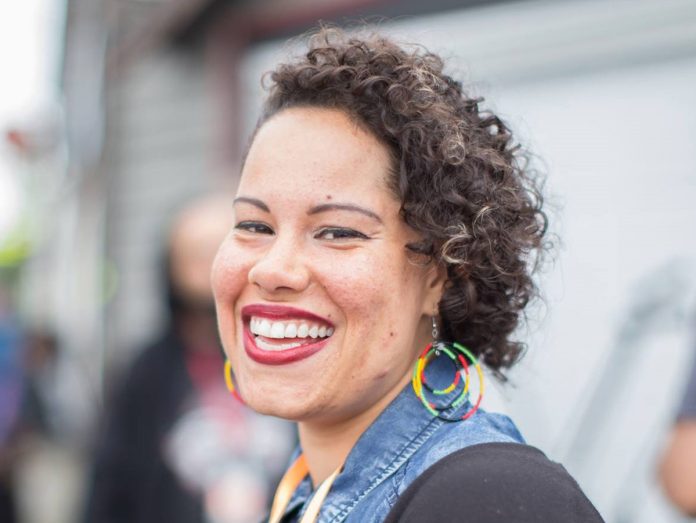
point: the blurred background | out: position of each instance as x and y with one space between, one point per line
117 113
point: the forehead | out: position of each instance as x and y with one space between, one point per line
307 151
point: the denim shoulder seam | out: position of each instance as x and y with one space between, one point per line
396 481
408 450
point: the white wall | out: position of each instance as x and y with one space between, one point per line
159 154
619 149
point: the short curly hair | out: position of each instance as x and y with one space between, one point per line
463 182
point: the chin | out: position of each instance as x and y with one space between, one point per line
278 408
271 397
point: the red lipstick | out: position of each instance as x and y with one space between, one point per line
280 312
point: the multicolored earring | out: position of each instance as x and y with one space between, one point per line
230 382
458 355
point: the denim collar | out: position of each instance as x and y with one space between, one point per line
389 442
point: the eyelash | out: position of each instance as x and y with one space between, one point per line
339 233
346 233
254 227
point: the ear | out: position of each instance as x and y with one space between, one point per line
435 279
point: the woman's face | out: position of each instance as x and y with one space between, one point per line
321 309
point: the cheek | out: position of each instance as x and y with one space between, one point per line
228 278
227 274
377 294
354 286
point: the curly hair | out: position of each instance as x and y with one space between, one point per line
462 181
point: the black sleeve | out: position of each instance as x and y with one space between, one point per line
494 483
128 475
121 451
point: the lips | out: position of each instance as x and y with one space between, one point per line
277 335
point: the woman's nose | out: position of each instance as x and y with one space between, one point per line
280 268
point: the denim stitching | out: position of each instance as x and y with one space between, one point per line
398 460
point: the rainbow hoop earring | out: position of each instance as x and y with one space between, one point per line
458 355
230 382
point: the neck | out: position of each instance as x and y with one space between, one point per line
327 445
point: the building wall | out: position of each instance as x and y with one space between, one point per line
159 153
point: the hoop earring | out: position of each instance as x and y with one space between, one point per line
458 355
230 382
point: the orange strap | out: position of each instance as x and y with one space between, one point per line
292 478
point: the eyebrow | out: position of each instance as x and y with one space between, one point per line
344 207
252 201
325 207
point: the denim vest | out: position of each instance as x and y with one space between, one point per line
398 447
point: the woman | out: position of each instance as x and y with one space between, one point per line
379 210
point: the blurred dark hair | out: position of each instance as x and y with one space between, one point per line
463 182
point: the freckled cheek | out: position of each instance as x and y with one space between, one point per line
374 297
228 275
354 290
228 280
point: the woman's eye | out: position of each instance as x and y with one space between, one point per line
254 227
340 233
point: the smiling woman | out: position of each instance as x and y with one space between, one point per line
316 246
384 223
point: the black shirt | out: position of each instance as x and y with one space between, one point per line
494 483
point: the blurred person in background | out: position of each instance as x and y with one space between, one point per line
678 466
27 358
11 380
39 363
176 446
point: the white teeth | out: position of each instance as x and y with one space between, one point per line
264 345
291 330
265 328
279 330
